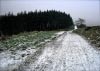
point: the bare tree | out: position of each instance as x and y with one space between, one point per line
80 22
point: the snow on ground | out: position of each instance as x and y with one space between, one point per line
10 60
70 52
60 33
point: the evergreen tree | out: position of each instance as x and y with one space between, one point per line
34 21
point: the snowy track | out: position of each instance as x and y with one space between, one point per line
70 52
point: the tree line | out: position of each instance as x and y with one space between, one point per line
34 21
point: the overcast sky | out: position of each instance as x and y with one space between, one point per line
86 9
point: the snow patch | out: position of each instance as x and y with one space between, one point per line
59 33
10 60
70 52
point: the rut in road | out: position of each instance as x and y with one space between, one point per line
69 52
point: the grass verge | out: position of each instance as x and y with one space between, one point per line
91 33
26 39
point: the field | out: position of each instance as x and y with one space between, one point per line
27 39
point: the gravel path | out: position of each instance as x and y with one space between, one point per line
69 52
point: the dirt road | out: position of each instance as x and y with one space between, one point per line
69 52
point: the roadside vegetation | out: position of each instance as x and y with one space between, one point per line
28 29
91 33
27 39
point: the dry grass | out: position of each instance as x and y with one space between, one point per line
91 33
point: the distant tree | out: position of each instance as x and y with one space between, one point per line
80 23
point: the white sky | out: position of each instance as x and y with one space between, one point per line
86 9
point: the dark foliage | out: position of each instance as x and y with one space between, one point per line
87 28
34 21
81 26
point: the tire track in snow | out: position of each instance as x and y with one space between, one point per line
69 52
